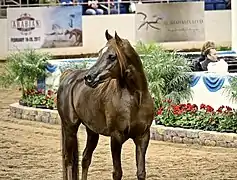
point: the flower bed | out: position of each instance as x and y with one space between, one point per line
39 99
190 116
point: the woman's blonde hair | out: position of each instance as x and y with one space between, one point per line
206 47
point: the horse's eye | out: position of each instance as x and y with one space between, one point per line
112 57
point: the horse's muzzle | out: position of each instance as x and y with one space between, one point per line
90 81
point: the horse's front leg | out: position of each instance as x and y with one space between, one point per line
141 143
92 141
116 147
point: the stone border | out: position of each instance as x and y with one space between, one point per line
192 136
158 132
34 114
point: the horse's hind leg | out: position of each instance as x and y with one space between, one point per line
141 147
70 151
92 141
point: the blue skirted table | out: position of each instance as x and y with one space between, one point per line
209 88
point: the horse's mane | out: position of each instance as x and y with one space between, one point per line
126 55
121 56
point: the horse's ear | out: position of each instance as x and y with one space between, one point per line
118 39
107 35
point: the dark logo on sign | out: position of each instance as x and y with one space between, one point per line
25 24
153 24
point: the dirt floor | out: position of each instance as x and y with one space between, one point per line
31 151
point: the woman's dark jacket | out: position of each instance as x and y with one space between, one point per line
200 64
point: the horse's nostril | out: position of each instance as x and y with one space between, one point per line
88 78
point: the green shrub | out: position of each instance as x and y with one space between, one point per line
167 73
24 68
231 89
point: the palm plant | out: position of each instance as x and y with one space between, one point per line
167 73
24 68
231 89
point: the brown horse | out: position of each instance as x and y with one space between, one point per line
78 35
112 99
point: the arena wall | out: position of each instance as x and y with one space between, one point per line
217 28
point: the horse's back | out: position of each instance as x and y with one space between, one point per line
65 95
69 76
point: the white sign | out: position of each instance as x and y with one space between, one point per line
44 27
170 22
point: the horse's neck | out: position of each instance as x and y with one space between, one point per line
135 82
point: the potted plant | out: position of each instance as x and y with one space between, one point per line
24 68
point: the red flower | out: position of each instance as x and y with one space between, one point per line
177 107
219 110
159 112
228 108
202 106
209 108
195 106
178 112
50 92
182 106
40 91
169 100
189 107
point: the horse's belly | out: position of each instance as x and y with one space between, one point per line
92 117
102 123
97 125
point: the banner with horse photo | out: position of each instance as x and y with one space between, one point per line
44 27
170 22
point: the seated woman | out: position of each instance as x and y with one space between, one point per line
209 61
196 63
210 56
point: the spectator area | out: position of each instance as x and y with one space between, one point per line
211 4
121 8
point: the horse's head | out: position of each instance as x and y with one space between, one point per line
111 63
